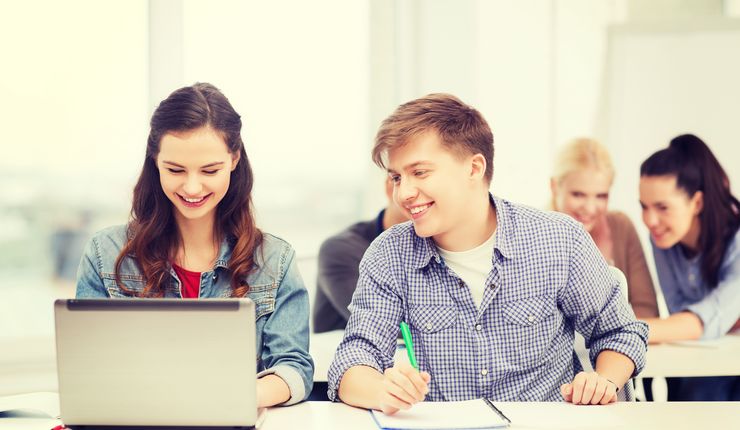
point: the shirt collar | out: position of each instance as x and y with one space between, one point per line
506 227
224 254
225 250
424 249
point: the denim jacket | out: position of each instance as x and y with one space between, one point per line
276 288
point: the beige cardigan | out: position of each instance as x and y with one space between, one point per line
630 259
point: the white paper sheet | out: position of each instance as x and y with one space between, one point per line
469 414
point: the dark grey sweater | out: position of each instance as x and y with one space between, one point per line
339 261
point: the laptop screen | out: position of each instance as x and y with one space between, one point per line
156 362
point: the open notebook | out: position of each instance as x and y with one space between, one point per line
468 414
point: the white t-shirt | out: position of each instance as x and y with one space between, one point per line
472 266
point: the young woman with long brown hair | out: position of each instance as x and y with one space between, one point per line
192 234
694 223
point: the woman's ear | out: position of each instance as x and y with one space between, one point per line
553 186
235 160
698 202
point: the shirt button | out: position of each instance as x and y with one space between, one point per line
484 372
428 326
478 327
530 318
691 277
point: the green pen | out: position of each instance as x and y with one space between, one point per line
406 334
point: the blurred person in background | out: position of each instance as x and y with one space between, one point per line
694 223
339 260
582 176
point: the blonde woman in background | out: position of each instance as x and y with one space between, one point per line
580 184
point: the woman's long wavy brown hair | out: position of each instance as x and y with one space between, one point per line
696 168
153 237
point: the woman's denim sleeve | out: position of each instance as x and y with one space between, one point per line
89 282
285 334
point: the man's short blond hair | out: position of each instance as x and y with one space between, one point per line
460 127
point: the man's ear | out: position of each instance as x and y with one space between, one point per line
478 166
235 157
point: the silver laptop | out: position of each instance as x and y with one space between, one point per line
156 362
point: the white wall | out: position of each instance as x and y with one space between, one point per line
669 81
515 88
545 72
534 69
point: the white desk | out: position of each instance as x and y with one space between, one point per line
630 415
720 357
551 416
690 358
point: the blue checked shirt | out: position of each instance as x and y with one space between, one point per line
547 279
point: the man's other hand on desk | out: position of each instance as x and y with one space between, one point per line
589 388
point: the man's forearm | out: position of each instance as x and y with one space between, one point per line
359 387
615 367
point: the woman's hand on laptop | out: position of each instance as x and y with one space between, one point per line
403 386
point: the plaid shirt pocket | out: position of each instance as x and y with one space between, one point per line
434 332
530 326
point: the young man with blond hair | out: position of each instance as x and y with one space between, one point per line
493 291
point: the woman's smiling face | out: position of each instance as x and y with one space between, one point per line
195 171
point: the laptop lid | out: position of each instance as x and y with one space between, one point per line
156 362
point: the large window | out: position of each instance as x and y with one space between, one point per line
74 108
298 75
81 78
